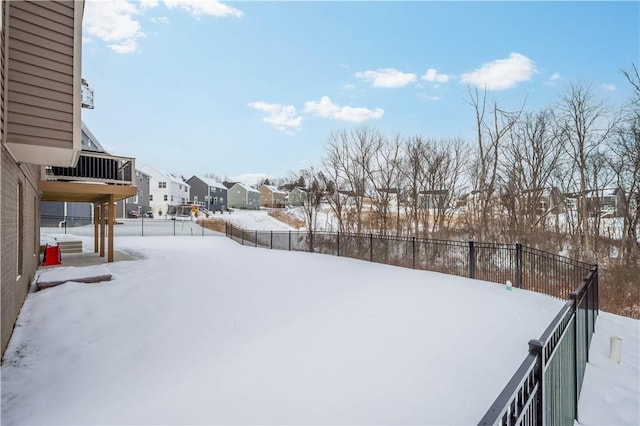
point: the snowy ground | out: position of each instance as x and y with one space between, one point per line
204 331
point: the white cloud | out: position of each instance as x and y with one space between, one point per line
607 87
282 117
555 76
113 21
127 46
502 73
204 7
433 76
326 108
160 20
429 97
148 4
387 78
349 87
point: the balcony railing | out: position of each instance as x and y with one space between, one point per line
95 167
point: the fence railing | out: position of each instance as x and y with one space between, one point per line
524 267
95 167
546 387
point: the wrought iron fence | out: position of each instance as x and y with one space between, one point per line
523 266
546 387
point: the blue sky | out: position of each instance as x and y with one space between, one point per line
244 89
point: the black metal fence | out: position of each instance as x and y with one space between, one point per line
524 267
546 387
142 227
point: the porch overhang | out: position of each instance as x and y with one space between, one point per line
90 192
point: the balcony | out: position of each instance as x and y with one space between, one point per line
96 178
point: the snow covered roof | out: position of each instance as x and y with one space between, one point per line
246 187
274 189
211 183
169 176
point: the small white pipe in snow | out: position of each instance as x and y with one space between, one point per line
615 349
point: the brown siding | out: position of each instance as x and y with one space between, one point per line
40 74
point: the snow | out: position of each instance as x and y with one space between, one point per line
205 331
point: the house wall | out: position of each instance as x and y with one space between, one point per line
297 197
237 197
140 203
218 199
270 198
43 81
40 53
20 236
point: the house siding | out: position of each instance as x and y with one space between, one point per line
39 85
43 81
15 284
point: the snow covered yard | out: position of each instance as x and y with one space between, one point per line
204 331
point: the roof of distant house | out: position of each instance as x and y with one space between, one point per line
211 182
246 187
274 189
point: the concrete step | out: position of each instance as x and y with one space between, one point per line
71 246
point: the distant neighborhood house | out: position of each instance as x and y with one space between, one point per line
297 196
242 196
165 190
208 193
272 197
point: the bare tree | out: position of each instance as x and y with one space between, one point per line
490 132
530 156
314 193
384 177
583 126
625 162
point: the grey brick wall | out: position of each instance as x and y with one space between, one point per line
14 284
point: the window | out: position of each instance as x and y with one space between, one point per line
215 200
180 186
185 189
172 198
165 197
195 198
221 199
150 197
162 184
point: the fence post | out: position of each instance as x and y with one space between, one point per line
338 238
65 224
536 346
242 236
271 243
142 228
289 240
573 296
256 242
518 265
311 242
371 247
586 318
472 260
174 227
413 249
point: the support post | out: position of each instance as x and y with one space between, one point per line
371 247
102 229
338 242
96 224
536 346
112 219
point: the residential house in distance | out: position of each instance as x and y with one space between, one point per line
41 141
208 193
272 197
297 196
241 196
137 205
607 202
165 190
